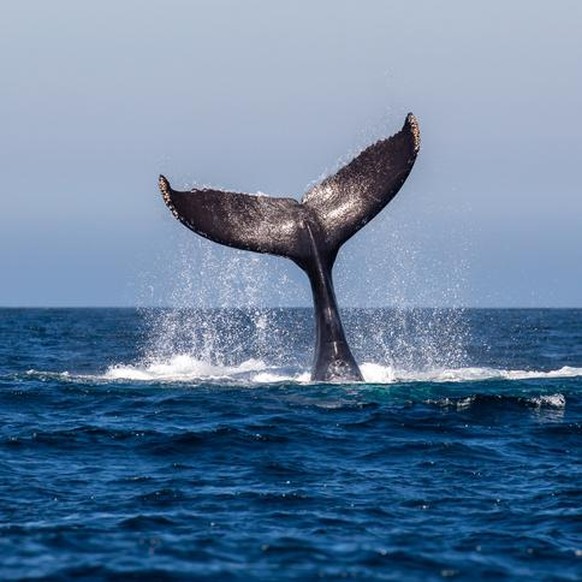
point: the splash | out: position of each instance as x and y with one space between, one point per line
238 330
190 371
213 311
186 369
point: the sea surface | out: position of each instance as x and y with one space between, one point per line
191 445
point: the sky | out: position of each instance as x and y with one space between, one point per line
99 98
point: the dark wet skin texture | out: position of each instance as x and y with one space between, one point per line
309 232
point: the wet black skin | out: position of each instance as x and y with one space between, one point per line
309 232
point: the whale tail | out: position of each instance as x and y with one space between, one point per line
335 209
309 232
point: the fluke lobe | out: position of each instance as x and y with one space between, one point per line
309 232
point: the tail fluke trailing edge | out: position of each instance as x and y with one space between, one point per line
336 208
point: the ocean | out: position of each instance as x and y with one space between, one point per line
175 444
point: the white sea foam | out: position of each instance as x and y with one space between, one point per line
185 368
557 401
378 374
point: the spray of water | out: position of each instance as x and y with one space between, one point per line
212 315
417 324
214 327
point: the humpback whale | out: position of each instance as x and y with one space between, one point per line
310 232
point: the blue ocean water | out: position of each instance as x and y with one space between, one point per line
190 445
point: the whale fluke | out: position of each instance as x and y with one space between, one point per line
309 232
244 221
349 199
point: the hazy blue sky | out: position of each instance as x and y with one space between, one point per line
98 98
